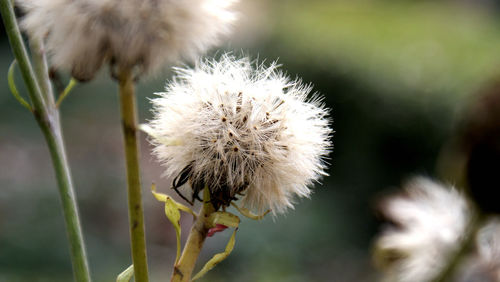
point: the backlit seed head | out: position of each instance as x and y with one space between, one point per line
242 130
81 35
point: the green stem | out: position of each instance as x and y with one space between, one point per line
54 139
65 92
48 120
135 209
19 50
184 268
41 70
13 88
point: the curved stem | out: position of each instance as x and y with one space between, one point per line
48 120
13 88
184 268
65 92
19 50
135 209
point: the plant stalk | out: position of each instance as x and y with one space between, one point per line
19 50
183 270
55 142
41 69
48 119
135 209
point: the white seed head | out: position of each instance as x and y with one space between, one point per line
484 264
242 130
430 222
81 35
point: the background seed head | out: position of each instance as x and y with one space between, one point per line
82 35
242 129
484 264
429 221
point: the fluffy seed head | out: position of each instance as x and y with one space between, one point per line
484 264
241 130
429 223
83 34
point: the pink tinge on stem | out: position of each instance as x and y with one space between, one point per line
217 228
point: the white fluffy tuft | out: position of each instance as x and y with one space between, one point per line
83 34
430 222
484 264
244 130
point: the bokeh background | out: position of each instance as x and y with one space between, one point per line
396 74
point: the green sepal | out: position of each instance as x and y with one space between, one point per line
66 91
173 214
163 198
13 88
224 218
246 212
126 275
172 211
216 259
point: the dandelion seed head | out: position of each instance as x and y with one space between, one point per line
82 35
484 264
242 131
429 223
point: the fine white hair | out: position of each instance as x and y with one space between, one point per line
243 128
81 35
484 264
430 222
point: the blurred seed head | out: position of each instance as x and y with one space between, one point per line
428 223
484 264
242 130
81 35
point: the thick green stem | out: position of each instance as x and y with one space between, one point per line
48 120
183 270
135 209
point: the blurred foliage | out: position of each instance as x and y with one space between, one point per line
396 47
394 74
